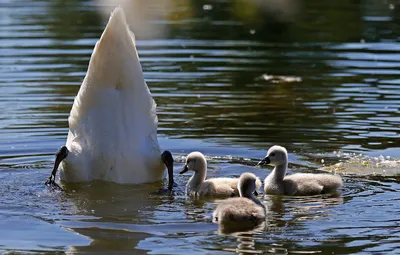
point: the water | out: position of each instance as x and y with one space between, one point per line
230 79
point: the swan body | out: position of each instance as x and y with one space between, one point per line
199 186
113 123
278 183
246 208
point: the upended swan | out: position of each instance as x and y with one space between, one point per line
199 186
246 208
296 184
113 122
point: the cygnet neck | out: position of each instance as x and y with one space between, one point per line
254 199
246 193
200 174
250 195
279 171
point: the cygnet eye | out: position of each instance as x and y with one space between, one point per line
273 154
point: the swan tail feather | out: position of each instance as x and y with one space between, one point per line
114 66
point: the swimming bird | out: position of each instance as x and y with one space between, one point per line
113 122
199 186
278 183
246 208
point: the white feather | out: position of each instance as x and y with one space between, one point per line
113 122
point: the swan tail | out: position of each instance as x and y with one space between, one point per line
114 67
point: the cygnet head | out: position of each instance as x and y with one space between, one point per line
195 162
247 184
276 156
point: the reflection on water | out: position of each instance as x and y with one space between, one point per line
231 78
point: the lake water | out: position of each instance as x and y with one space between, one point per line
231 78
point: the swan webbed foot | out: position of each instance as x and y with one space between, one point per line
168 160
61 154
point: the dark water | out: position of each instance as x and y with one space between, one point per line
230 78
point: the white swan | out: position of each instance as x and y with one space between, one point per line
246 208
296 184
113 123
199 186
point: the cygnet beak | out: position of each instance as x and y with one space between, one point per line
184 169
264 161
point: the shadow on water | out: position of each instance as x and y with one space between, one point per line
230 79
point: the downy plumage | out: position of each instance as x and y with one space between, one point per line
278 183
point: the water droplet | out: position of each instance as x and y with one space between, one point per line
252 31
391 6
322 161
362 41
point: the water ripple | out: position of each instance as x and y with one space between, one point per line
229 80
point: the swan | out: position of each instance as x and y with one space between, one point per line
199 186
113 122
296 184
246 208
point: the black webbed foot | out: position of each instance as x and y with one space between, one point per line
61 154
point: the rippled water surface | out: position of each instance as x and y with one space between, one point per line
230 78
